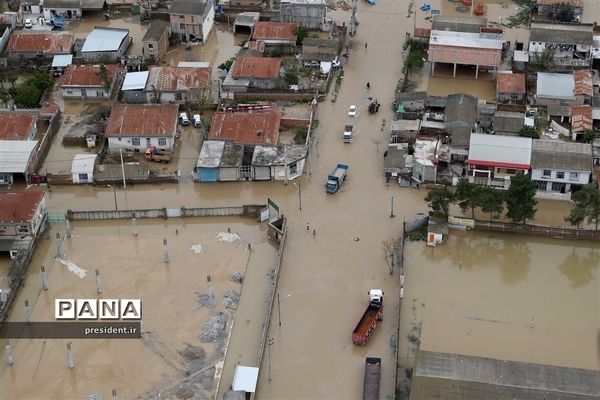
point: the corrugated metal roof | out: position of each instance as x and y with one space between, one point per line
256 67
581 118
172 79
500 149
15 155
464 39
87 75
264 30
510 83
556 154
156 30
561 33
583 82
18 207
144 120
258 127
62 60
210 154
135 80
104 39
555 85
83 163
188 7
245 379
46 43
17 126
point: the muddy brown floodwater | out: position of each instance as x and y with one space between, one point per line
519 298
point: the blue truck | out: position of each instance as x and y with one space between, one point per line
336 179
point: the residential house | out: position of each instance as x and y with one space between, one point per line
560 167
244 22
280 163
404 130
548 7
82 168
459 121
192 19
134 87
88 81
136 127
18 159
510 87
494 159
278 35
60 63
35 45
252 73
581 120
156 40
178 84
319 49
31 7
246 127
571 43
18 125
394 160
308 13
555 89
219 160
106 44
458 24
68 9
465 48
584 88
23 217
508 123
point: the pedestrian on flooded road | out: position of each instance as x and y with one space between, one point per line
365 45
368 85
314 233
307 226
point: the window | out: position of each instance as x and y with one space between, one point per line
135 141
182 26
148 143
162 141
515 96
181 17
546 173
560 175
150 46
69 92
23 229
574 176
558 187
293 168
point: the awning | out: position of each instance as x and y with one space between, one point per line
245 378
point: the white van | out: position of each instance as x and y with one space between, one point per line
183 118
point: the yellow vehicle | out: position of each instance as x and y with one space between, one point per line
152 154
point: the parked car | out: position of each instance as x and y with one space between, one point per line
197 121
28 23
352 110
183 118
336 63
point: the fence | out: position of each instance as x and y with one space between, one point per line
244 211
557 232
415 224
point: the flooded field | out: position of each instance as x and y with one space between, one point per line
517 298
173 295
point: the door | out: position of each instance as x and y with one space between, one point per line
262 173
208 174
228 174
83 178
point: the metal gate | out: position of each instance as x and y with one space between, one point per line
262 173
173 212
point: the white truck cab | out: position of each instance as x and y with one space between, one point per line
376 294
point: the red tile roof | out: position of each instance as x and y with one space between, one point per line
573 3
172 79
142 120
86 75
16 126
583 82
258 127
274 31
581 118
50 43
19 207
256 67
510 83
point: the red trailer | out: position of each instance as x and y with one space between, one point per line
374 312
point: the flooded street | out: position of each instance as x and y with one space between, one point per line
520 298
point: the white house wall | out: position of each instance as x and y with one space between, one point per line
81 93
278 171
209 21
125 143
583 178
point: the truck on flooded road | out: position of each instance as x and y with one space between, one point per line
348 135
336 179
374 312
372 378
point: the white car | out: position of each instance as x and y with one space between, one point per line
183 118
197 120
28 23
352 110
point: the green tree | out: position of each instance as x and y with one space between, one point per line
589 136
439 200
468 195
291 76
520 198
562 12
491 201
529 131
27 96
542 62
414 62
301 32
104 77
226 66
587 205
277 52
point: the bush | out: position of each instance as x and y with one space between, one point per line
529 131
276 52
27 96
300 134
291 76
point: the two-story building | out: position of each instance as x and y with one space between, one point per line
319 49
571 43
559 167
309 13
278 35
192 19
156 40
459 120
136 127
548 7
510 87
494 159
23 216
88 81
178 84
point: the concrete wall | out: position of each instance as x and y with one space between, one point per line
4 39
126 143
67 13
159 48
278 171
84 93
208 20
309 15
582 179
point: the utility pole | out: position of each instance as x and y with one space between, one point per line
123 168
270 342
285 166
299 194
353 19
279 308
392 209
115 195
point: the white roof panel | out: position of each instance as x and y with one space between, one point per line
500 149
135 80
210 154
62 60
104 39
464 39
83 163
244 379
550 84
194 64
15 155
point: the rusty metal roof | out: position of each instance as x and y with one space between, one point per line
50 43
583 82
172 79
510 83
17 126
581 118
142 120
264 30
86 75
256 45
19 207
256 67
256 127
